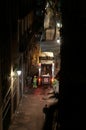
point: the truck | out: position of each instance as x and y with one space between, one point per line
46 68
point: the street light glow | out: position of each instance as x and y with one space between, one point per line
19 72
58 41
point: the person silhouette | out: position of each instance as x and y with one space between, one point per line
45 110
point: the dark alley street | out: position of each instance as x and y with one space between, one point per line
42 65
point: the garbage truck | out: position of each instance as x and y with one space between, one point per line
46 68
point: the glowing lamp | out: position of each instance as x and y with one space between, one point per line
19 72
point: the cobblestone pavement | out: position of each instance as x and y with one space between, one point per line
29 115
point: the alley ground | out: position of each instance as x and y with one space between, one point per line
29 115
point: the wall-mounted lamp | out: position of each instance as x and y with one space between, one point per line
59 40
18 72
59 24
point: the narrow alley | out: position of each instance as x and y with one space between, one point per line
29 115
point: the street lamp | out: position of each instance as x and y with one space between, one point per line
18 72
59 40
59 24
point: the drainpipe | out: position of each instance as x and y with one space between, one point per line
22 76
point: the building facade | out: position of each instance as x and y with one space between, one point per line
16 24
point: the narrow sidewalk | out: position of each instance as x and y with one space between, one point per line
29 115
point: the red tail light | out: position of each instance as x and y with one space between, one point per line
39 79
52 80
